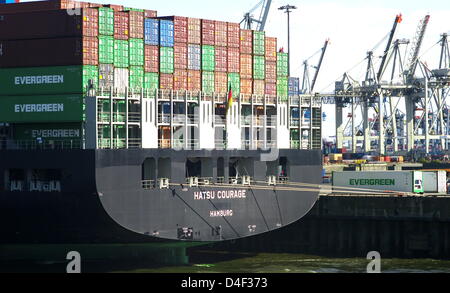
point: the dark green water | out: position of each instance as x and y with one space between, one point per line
222 262
298 263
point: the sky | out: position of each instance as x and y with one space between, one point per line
353 26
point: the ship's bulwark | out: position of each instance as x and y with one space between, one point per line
102 199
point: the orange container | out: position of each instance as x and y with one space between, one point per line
180 78
259 87
246 86
194 80
220 82
246 66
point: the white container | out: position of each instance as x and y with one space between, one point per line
435 182
194 54
367 181
121 79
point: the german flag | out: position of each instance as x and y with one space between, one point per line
229 100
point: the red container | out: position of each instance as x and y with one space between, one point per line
246 86
220 82
121 20
180 26
208 32
271 49
246 66
221 57
180 79
221 29
246 42
151 58
271 71
41 24
180 52
94 5
41 6
233 35
49 52
271 89
234 60
194 31
387 159
150 13
90 51
259 87
136 24
194 80
116 8
166 81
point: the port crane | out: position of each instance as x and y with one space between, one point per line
423 98
264 6
308 85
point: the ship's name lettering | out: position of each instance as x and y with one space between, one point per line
43 79
38 108
227 194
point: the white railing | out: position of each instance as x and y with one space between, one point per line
46 144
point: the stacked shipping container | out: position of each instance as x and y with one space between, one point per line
112 46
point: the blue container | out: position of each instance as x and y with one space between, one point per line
166 31
7 1
151 32
294 86
307 114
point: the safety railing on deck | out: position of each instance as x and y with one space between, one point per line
44 144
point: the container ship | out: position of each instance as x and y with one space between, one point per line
121 126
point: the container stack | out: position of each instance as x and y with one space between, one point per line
282 75
49 59
56 53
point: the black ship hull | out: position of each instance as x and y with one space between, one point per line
102 199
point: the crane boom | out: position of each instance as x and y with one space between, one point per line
398 19
324 49
264 14
261 21
417 44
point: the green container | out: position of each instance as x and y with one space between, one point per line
208 58
106 49
60 131
259 43
90 76
133 9
136 52
106 21
136 77
208 82
234 79
282 64
121 54
151 81
259 67
41 109
46 80
166 61
282 88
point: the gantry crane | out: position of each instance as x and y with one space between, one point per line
248 20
